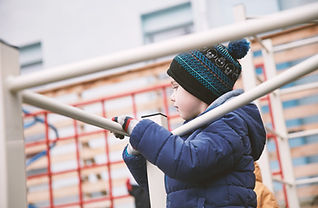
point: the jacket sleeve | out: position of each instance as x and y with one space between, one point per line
137 167
211 152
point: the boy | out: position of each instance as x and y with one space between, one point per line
211 166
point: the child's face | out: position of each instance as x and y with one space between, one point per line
187 105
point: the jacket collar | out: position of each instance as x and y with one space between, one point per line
223 98
220 100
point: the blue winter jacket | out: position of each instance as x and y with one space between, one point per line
209 167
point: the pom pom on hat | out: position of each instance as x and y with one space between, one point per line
239 48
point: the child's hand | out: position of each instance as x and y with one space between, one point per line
128 124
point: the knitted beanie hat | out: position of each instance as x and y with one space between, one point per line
209 72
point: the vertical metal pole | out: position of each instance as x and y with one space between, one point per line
249 82
201 22
275 138
166 106
12 157
48 157
156 180
280 125
108 162
78 162
134 105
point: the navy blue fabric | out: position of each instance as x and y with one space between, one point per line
209 167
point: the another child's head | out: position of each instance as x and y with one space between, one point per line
201 76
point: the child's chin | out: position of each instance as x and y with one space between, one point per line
181 116
184 117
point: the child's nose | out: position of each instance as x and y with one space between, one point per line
172 97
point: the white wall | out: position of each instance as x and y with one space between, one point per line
75 29
221 11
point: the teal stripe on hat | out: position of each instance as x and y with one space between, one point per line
228 82
200 73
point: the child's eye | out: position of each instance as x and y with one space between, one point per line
175 87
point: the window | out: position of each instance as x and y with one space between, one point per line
31 57
167 23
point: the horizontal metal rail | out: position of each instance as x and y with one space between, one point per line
298 88
295 44
287 76
306 181
305 133
277 179
274 133
238 30
52 105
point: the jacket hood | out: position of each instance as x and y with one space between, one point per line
250 114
